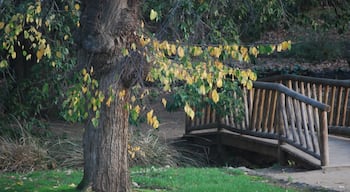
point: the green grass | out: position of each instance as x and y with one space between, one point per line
41 181
200 180
147 179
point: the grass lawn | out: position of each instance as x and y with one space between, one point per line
145 180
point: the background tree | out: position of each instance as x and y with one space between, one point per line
36 58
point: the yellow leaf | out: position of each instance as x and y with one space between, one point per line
215 52
279 48
243 50
173 49
164 102
180 52
219 83
2 25
244 81
252 75
137 109
204 75
244 53
84 89
244 74
133 99
77 6
149 117
215 96
189 111
108 102
125 52
121 94
133 46
66 37
84 72
39 54
38 9
155 122
153 15
66 8
189 80
47 51
13 55
219 65
202 90
3 64
144 41
197 51
254 51
249 84
285 45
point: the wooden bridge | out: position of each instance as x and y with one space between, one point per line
288 116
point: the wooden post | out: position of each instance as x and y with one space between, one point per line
220 149
281 106
324 139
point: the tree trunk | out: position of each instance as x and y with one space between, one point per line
107 26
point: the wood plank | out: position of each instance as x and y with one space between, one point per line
268 111
324 139
299 122
255 109
331 114
246 107
291 112
258 126
326 94
339 104
312 124
345 106
207 113
272 126
283 119
305 120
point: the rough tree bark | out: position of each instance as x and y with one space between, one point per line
108 26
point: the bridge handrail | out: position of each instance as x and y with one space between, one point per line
316 80
333 92
283 89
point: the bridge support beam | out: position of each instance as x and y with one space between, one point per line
324 140
282 155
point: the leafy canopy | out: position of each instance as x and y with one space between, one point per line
200 70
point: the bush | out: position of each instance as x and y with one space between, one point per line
22 156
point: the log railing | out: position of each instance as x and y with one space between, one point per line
334 93
274 111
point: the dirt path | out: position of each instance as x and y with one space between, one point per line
331 179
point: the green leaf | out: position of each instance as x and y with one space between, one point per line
94 122
153 15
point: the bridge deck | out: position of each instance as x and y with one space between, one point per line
339 147
339 151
